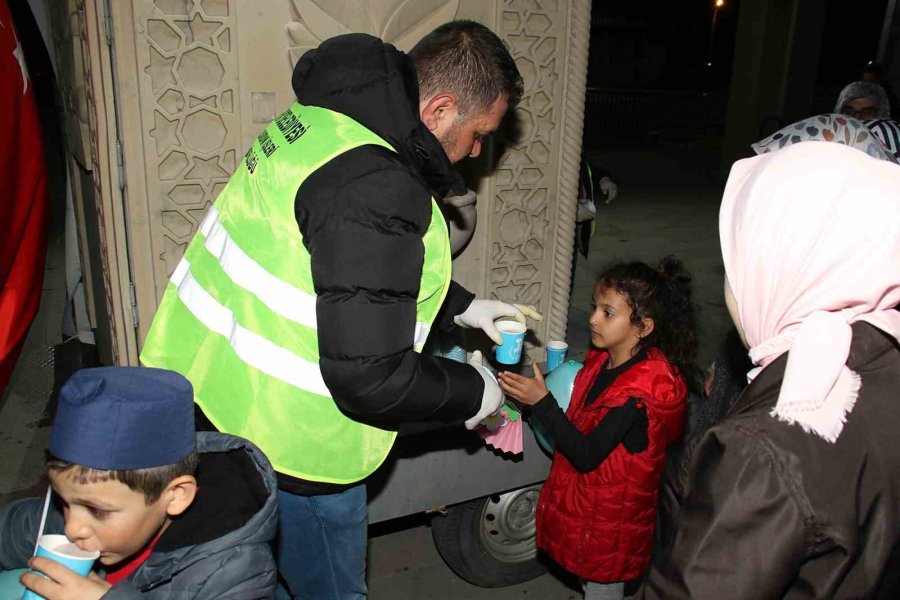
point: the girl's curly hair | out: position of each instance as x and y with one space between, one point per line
664 295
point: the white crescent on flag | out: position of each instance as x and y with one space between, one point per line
20 58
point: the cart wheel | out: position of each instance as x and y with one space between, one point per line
489 541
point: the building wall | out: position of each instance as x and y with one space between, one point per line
191 83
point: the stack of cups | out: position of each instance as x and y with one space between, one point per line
61 550
455 352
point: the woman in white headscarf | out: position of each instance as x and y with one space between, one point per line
796 492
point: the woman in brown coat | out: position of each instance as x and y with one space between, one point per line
796 492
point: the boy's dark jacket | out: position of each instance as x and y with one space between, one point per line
219 548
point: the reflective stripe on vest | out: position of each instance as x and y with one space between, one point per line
238 317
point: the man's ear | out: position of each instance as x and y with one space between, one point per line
179 494
647 325
439 112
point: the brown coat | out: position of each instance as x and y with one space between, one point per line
756 508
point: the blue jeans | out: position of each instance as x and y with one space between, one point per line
321 548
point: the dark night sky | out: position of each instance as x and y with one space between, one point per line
655 44
850 40
663 44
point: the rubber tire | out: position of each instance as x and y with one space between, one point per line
456 537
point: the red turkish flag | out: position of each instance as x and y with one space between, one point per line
23 199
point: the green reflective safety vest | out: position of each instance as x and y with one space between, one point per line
238 317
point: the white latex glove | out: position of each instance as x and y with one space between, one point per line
586 211
491 399
481 314
609 189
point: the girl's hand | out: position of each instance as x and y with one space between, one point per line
527 390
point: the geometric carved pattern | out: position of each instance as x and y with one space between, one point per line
401 22
522 239
531 248
188 54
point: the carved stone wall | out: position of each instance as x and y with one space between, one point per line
197 80
536 180
401 23
188 88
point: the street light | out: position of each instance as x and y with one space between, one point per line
712 32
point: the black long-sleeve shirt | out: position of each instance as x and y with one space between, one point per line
626 424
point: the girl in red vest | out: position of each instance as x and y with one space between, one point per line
629 403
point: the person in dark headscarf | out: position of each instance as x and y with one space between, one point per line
863 100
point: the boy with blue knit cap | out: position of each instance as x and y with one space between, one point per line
172 513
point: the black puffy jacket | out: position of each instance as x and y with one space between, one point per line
362 217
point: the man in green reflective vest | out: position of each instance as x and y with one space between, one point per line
301 307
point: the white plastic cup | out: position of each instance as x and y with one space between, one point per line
556 353
60 549
513 334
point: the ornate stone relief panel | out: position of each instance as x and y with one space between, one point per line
534 185
399 22
187 65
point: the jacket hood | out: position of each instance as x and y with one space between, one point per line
376 85
260 528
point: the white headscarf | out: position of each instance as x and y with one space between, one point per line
811 243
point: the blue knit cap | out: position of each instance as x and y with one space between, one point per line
123 418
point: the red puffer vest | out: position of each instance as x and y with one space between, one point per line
599 525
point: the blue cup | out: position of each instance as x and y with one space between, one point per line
513 334
560 382
61 550
556 354
10 588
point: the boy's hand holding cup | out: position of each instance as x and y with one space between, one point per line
66 572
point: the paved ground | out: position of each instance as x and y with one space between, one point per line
667 204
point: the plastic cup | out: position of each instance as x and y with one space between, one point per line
455 352
556 353
10 588
59 548
560 382
513 334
